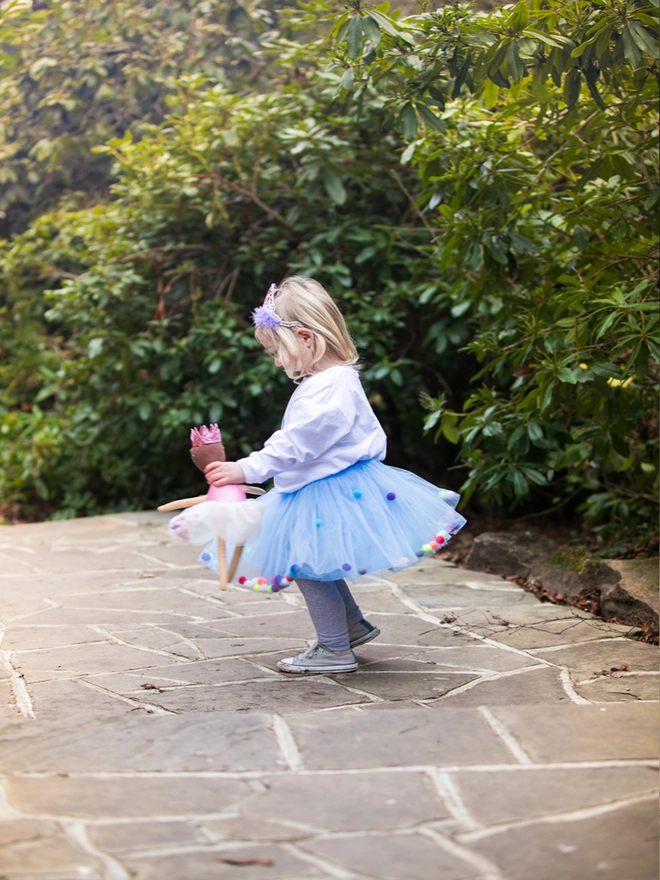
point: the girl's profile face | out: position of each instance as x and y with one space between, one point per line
282 358
274 352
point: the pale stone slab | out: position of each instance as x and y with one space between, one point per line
438 572
616 845
289 624
392 738
449 598
540 685
621 689
393 857
58 699
49 855
529 615
216 864
298 694
201 741
591 658
148 636
400 629
584 733
17 564
245 646
348 802
102 616
121 838
60 561
123 796
145 599
198 673
499 796
80 659
26 637
258 827
544 635
406 685
477 657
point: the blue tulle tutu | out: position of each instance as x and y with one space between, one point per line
368 518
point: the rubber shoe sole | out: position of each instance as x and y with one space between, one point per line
318 661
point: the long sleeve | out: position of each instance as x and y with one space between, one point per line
328 426
306 437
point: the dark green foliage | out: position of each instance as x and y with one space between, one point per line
479 191
75 75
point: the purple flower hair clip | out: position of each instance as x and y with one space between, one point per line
265 315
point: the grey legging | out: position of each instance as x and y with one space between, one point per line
332 609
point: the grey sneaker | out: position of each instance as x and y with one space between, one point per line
319 660
362 632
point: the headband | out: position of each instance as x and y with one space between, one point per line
265 315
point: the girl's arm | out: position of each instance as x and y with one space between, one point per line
307 435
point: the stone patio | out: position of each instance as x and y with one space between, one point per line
147 734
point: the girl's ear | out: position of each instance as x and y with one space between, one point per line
305 336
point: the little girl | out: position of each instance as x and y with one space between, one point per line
336 510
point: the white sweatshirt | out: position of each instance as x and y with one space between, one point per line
328 426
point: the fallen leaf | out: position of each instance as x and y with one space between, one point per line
621 668
241 863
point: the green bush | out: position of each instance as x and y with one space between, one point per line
478 190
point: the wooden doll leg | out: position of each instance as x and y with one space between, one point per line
234 562
222 564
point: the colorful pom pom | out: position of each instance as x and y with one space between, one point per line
426 548
346 566
419 552
357 493
319 523
390 496
362 570
242 579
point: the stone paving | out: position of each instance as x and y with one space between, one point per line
146 733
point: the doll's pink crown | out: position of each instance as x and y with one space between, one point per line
202 436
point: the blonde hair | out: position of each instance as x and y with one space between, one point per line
306 301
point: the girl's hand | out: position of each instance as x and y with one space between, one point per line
223 473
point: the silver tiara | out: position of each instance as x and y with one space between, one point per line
265 315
